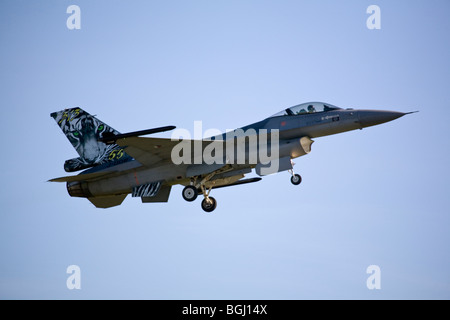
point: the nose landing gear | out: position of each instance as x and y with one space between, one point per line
296 179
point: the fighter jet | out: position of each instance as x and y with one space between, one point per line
117 164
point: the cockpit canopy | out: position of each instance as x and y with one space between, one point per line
305 108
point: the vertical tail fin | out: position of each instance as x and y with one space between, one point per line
84 131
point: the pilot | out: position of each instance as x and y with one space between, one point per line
311 109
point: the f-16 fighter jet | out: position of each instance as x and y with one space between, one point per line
117 164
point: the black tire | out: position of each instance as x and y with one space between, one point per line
296 179
209 206
189 193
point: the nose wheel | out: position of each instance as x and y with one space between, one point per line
296 179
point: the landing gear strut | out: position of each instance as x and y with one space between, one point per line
191 192
296 179
208 203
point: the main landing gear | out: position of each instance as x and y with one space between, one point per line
191 192
209 204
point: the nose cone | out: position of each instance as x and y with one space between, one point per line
368 118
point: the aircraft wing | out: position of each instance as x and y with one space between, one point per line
150 151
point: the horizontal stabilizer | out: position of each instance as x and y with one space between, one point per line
82 177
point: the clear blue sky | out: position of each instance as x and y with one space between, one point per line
373 197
